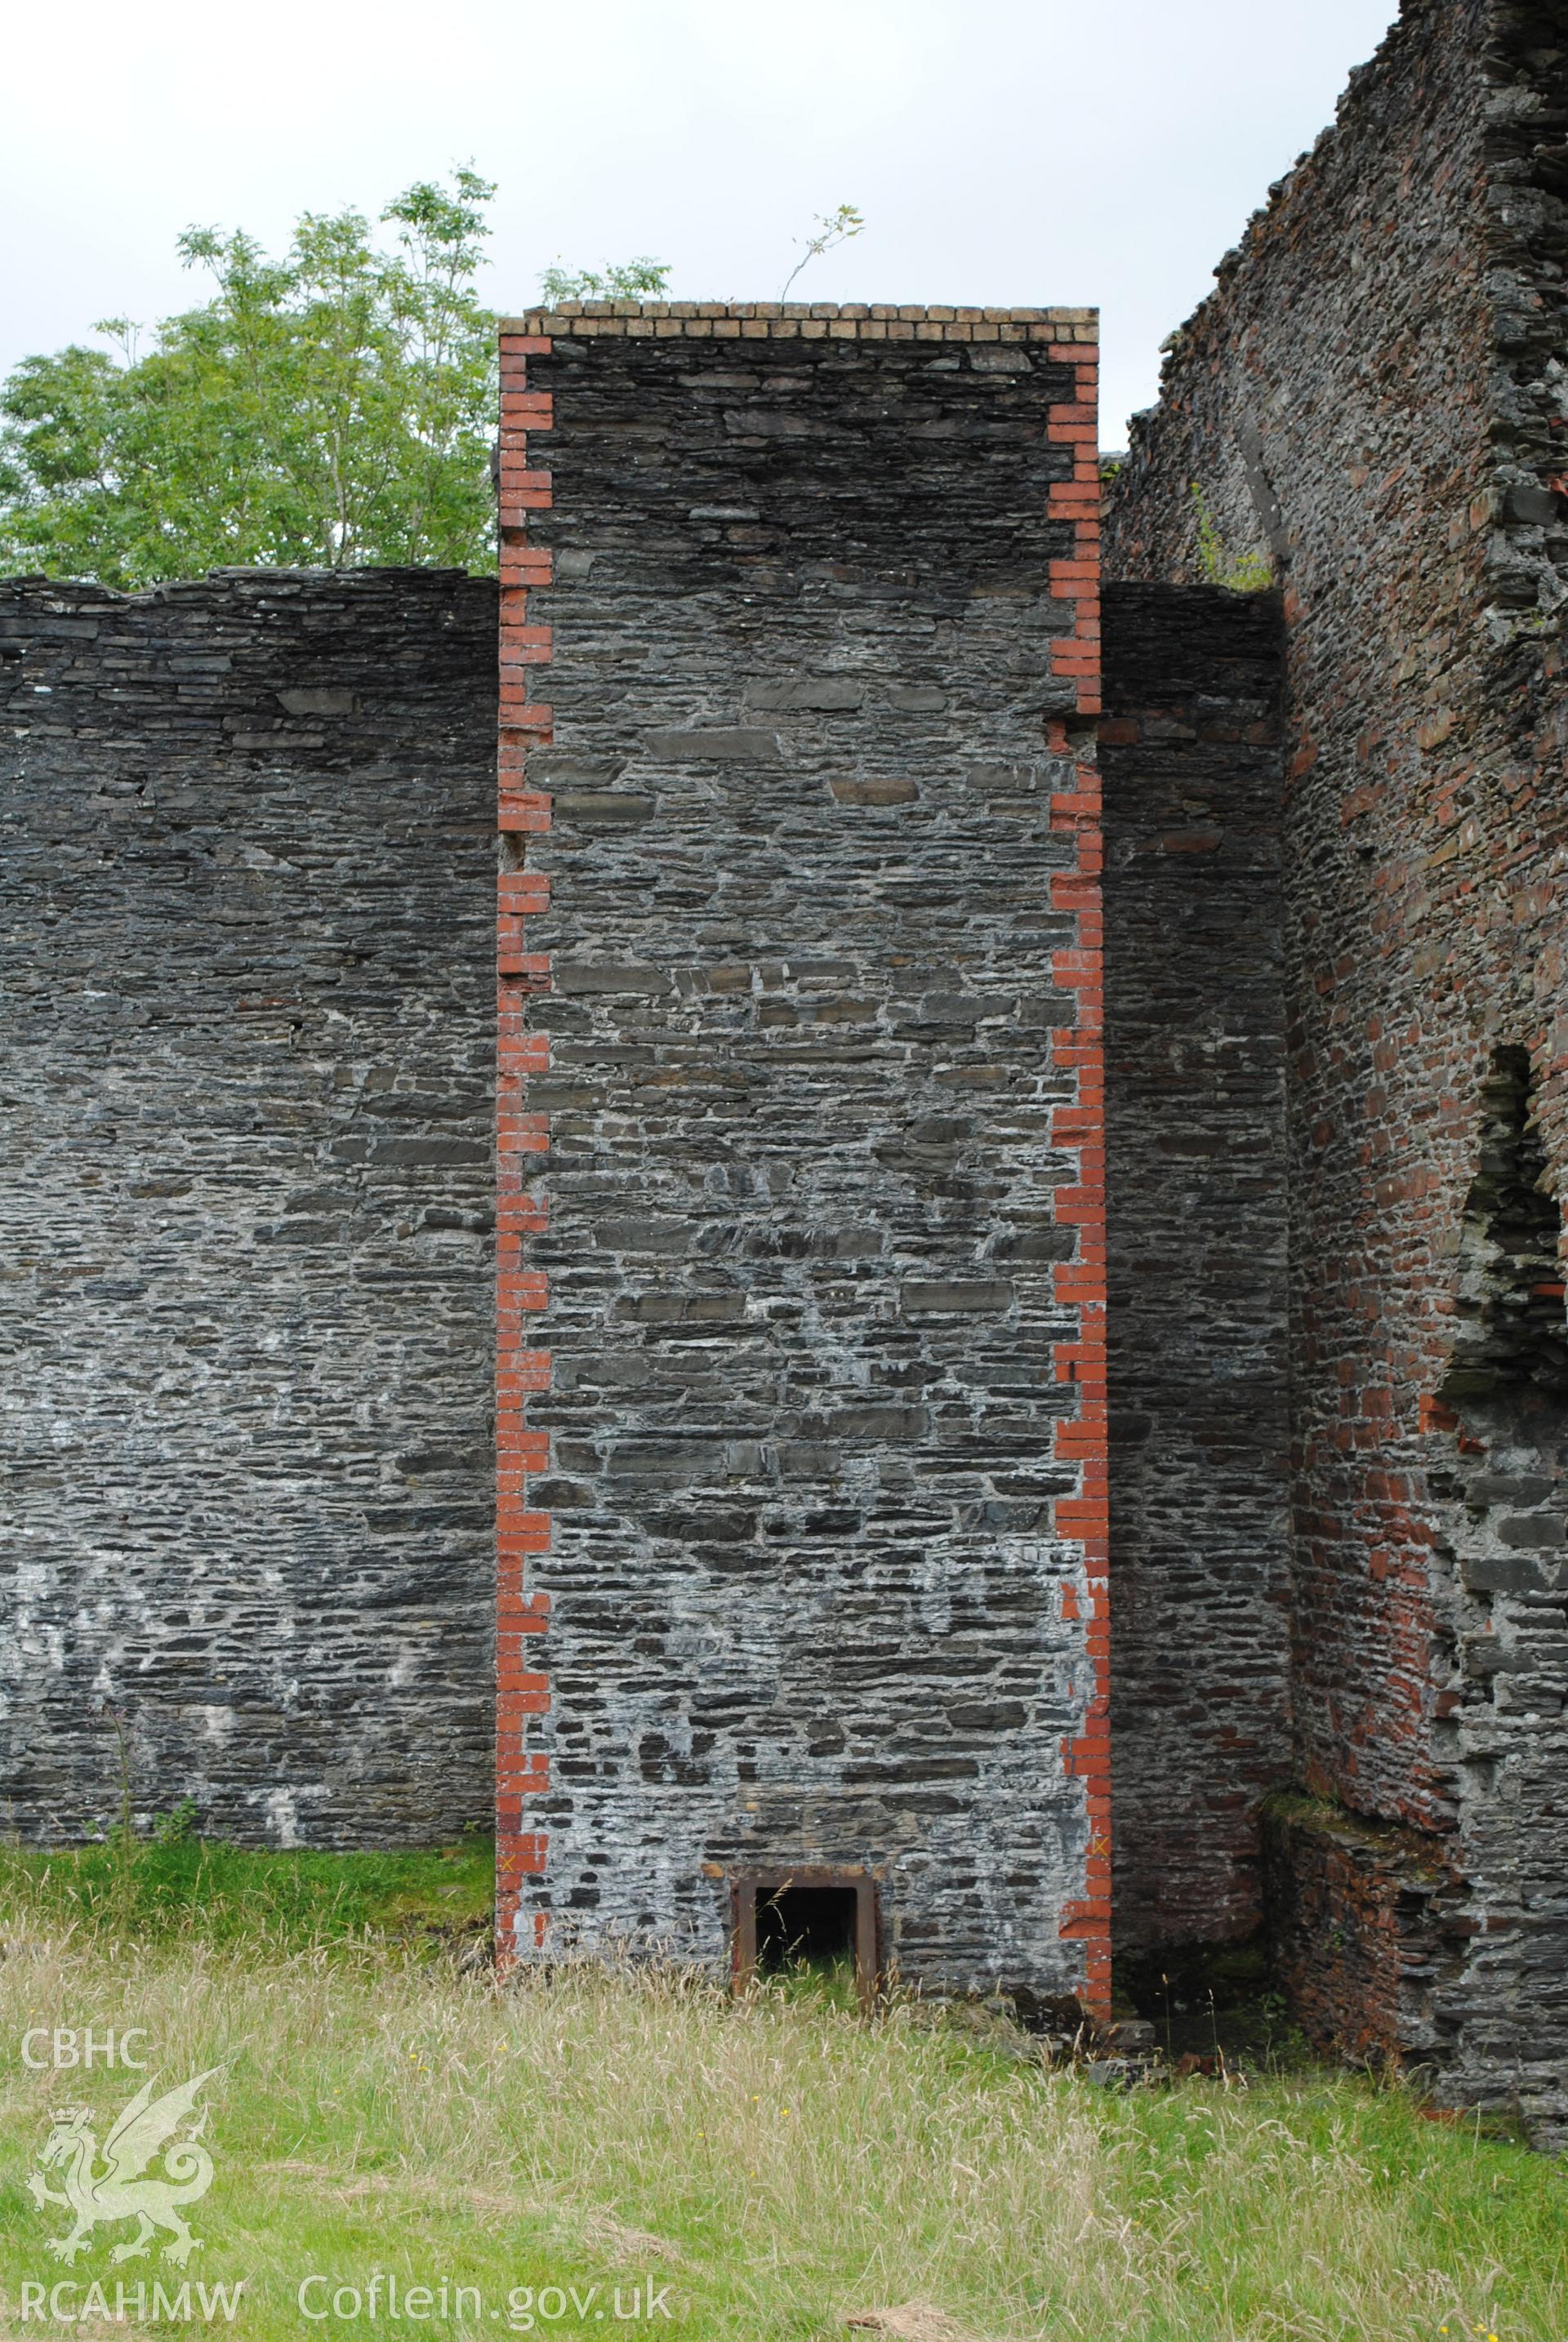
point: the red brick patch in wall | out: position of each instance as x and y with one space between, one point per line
522 1141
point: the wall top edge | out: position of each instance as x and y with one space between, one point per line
792 319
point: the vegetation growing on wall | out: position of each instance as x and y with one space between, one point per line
1247 573
624 280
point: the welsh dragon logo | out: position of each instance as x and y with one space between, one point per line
117 2190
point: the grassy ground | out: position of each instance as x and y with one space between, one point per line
164 1889
764 2170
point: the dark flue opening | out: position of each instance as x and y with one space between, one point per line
813 1925
1511 1337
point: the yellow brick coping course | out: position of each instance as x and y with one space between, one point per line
801 320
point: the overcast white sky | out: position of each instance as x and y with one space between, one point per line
1021 151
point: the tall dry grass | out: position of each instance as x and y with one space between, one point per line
778 2166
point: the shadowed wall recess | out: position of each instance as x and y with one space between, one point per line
1510 1338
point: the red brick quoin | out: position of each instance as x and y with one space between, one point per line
1081 1130
522 1366
522 1139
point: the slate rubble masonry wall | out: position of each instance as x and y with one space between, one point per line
1376 391
1195 1212
800 1373
801 1408
246 1221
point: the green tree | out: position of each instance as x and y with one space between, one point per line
326 410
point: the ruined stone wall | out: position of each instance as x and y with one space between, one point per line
1367 1926
1196 1235
1370 395
245 1216
803 1541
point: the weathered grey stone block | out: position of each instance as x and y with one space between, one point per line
716 744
